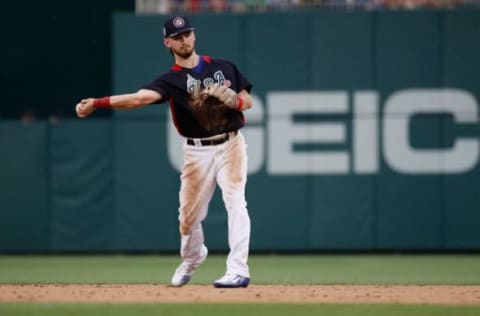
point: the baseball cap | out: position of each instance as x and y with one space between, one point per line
176 25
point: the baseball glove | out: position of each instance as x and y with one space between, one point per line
197 100
210 112
225 95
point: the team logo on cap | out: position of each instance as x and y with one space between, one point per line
178 22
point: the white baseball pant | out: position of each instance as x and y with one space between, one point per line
203 168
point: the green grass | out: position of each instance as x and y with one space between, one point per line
314 269
234 309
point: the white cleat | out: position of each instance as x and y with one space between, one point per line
231 281
183 274
185 270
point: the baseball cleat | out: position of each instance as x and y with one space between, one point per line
185 270
231 281
183 274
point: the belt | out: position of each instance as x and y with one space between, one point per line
213 142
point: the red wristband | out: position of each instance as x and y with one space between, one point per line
102 103
239 105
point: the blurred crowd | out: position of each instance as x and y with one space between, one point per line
168 6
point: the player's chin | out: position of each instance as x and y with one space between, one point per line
185 52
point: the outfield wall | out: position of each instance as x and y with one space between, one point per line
364 136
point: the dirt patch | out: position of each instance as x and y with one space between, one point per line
410 294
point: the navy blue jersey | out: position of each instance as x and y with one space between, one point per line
181 87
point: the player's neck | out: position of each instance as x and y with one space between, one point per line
188 62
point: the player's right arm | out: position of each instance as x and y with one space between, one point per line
122 101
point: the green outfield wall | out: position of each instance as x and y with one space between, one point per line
364 136
41 54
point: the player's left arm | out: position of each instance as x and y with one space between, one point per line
246 100
240 101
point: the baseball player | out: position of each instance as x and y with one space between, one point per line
206 97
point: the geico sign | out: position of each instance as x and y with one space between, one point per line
274 145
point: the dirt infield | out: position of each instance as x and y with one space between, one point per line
142 293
